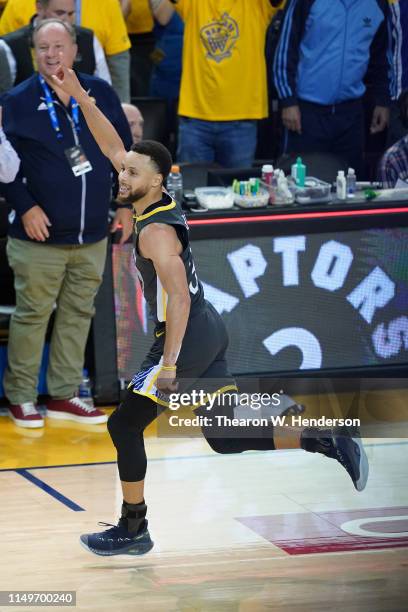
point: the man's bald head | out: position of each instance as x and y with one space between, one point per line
54 42
135 120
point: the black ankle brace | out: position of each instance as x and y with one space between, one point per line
134 515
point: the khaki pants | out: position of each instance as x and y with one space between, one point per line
44 275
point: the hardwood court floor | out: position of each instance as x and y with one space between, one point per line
283 530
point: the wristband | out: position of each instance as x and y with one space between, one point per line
169 368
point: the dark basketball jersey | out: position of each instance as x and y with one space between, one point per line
166 211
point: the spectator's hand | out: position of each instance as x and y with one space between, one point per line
36 224
380 120
66 79
292 119
123 217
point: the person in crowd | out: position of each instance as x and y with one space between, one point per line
166 75
393 170
9 160
223 85
167 57
135 120
5 74
90 58
399 78
104 18
57 233
139 25
326 51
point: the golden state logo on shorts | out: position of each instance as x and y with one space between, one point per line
219 37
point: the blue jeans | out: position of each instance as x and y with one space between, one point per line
231 144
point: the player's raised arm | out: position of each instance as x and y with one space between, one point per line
102 130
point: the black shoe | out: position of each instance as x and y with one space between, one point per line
340 445
351 454
118 540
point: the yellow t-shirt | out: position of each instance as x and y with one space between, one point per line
140 19
104 17
224 71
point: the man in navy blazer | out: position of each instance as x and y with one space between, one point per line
57 230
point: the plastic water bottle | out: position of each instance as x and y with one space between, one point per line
341 186
175 184
85 389
351 183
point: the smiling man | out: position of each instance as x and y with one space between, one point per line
190 340
104 18
57 232
90 57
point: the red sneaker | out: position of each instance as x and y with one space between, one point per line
75 409
26 415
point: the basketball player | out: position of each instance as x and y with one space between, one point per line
190 337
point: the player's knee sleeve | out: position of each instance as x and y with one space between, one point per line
132 461
115 425
129 444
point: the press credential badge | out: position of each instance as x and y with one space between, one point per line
78 161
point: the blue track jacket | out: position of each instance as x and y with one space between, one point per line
328 48
77 207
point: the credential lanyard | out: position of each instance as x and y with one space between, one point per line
78 9
53 113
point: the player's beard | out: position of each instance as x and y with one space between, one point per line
133 196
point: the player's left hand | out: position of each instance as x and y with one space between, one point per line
123 217
166 381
